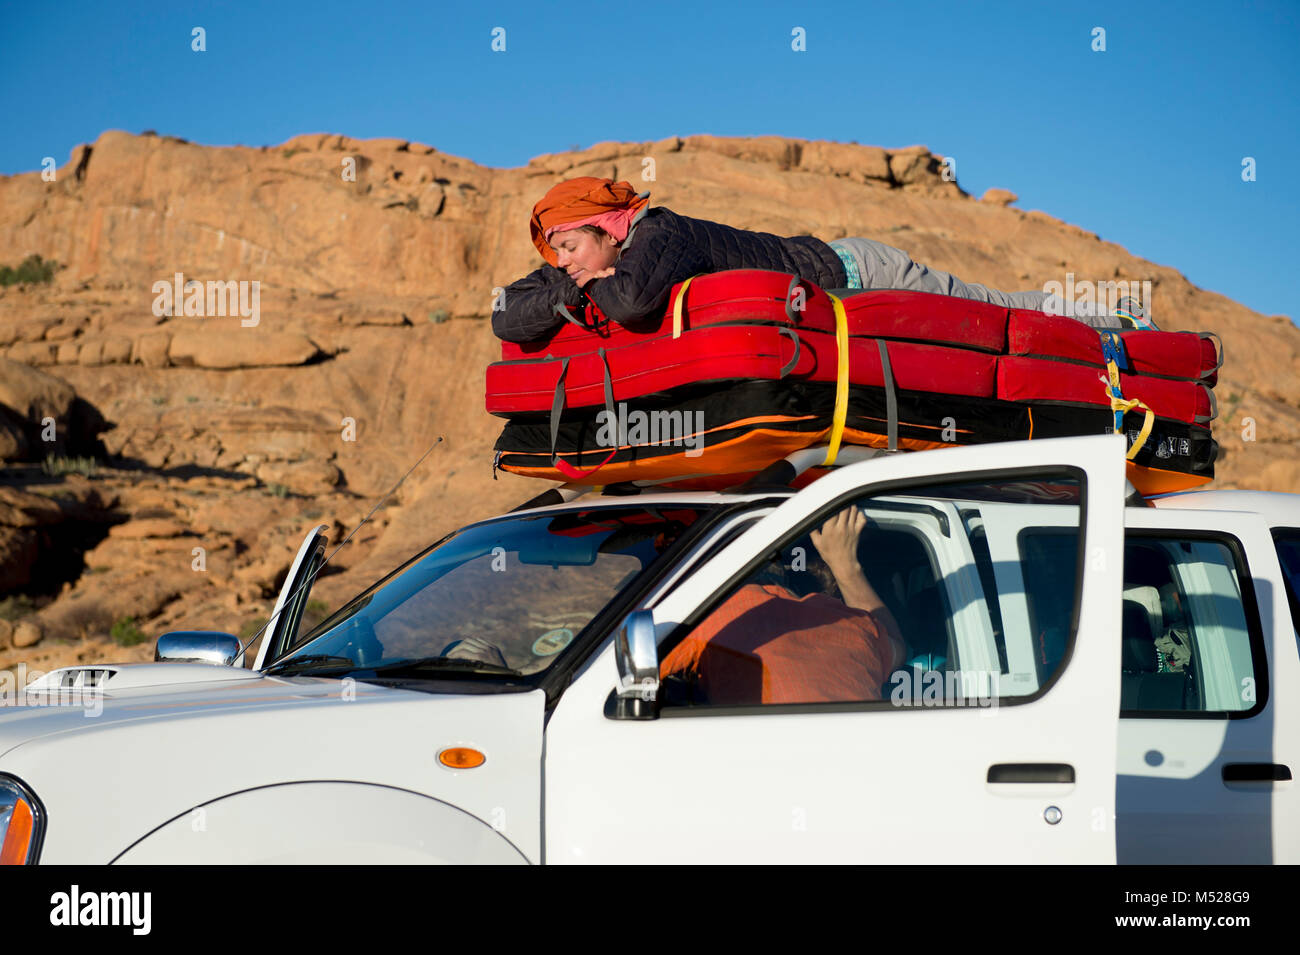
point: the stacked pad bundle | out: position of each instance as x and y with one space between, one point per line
747 366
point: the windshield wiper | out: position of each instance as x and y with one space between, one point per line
311 660
441 663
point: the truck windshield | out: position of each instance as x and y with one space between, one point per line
498 599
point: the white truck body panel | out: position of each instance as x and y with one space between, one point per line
195 763
862 786
156 754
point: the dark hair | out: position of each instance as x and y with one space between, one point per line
595 230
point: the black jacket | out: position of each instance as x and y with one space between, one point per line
662 249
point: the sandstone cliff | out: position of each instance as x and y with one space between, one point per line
220 444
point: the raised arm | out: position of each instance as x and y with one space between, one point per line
837 542
528 305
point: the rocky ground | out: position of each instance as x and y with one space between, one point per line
193 452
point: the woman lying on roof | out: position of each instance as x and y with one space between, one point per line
605 245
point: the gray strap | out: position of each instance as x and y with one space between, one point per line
891 399
565 314
609 385
1219 342
794 360
795 281
1214 406
636 221
557 406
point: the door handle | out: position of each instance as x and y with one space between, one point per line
1255 773
1031 773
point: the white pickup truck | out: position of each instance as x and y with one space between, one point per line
1086 678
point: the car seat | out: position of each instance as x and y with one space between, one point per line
1141 686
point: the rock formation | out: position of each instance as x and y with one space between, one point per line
219 437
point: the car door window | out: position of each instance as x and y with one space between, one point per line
891 600
1288 555
1191 644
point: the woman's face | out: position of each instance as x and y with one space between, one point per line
582 254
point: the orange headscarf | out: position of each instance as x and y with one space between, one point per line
576 200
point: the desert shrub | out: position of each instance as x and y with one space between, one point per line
125 633
16 607
32 270
55 465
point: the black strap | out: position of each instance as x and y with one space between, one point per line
891 399
794 360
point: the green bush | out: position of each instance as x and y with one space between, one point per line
55 466
125 633
16 607
32 270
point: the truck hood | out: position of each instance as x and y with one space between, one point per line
161 739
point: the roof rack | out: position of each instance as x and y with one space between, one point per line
1133 497
775 477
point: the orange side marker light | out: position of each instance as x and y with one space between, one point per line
461 757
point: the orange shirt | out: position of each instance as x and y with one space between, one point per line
765 645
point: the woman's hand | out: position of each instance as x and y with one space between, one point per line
588 276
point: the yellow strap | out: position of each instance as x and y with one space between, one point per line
841 380
677 307
1120 404
1112 371
1117 404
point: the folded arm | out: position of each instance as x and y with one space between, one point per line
527 307
645 274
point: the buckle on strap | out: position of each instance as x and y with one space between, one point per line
1112 347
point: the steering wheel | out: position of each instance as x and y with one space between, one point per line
363 641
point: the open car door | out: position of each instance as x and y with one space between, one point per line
293 597
788 726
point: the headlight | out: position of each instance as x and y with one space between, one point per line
22 823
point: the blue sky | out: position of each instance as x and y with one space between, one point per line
1142 144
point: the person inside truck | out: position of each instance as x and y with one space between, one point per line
765 644
605 246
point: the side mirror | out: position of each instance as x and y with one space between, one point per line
197 646
638 667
